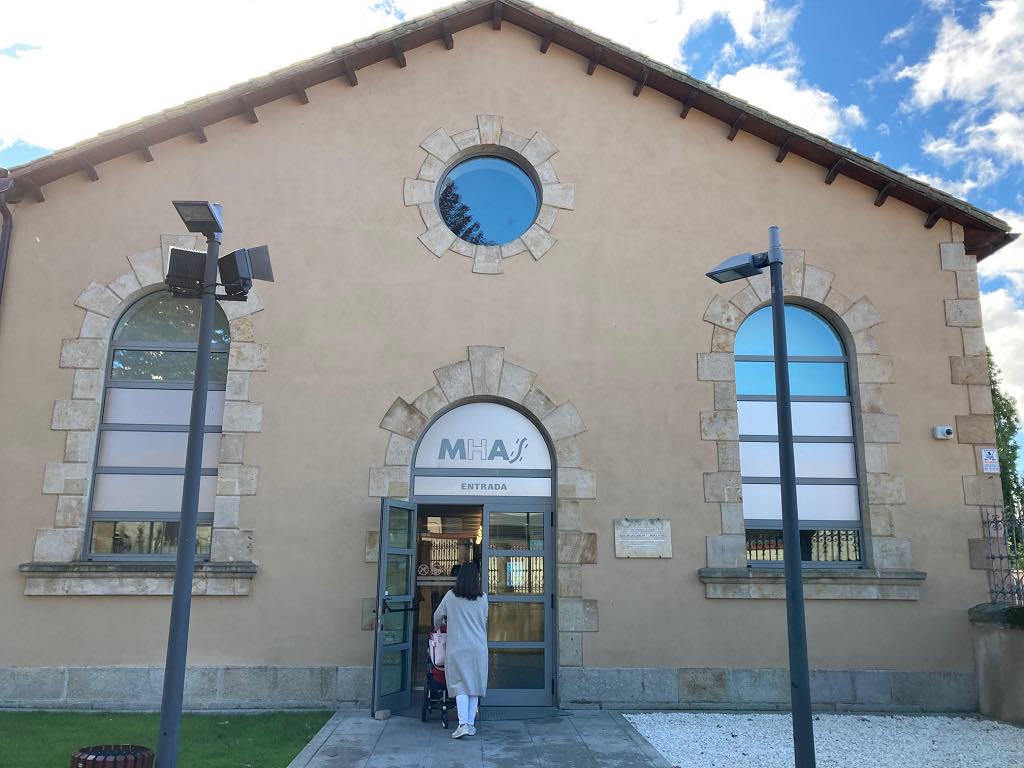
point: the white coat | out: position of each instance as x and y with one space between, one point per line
466 646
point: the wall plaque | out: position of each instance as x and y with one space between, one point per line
643 537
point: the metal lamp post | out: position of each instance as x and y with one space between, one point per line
203 218
191 275
748 265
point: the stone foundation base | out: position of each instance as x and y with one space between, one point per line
217 688
765 689
213 688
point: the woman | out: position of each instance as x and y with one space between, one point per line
465 610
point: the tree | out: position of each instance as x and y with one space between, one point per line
458 217
1007 426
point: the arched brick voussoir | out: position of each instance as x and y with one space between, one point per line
861 315
403 419
485 364
125 286
563 422
724 314
98 299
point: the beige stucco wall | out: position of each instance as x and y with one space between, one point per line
361 313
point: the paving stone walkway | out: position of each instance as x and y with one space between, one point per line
351 739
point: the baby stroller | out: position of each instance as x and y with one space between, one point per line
435 693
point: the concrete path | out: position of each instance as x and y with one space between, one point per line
351 739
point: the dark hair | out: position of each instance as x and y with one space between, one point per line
455 570
467 583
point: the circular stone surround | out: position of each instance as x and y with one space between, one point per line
445 151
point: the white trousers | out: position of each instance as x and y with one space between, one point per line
467 706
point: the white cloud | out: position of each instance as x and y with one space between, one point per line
1003 322
957 187
783 92
883 128
98 65
1002 308
974 65
101 64
899 34
1002 135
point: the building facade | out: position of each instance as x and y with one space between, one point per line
542 381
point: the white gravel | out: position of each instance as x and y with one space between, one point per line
704 740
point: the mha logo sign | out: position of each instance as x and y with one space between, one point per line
467 449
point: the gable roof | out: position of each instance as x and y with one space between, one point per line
983 232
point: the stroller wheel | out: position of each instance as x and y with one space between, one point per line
425 709
444 719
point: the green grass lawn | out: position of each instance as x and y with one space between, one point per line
47 739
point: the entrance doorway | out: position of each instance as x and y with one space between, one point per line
499 518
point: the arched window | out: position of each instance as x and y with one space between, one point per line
825 452
135 502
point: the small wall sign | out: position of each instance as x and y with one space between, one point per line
643 537
990 461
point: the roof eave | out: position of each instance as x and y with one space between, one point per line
984 233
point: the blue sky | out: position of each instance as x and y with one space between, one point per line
934 88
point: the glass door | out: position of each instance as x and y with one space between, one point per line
392 642
518 547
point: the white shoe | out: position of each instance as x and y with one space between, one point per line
472 730
462 730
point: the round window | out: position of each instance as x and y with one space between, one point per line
488 200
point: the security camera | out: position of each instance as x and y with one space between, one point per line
943 433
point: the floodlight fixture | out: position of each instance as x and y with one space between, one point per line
739 266
185 272
200 216
239 268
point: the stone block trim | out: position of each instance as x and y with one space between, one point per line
206 688
975 429
102 303
832 690
881 491
443 152
486 373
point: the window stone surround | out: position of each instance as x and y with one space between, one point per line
444 151
58 566
486 373
888 572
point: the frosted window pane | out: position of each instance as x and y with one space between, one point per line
158 406
763 501
834 460
147 493
828 502
757 417
825 460
822 420
158 317
759 459
153 449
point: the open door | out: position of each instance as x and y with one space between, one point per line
392 643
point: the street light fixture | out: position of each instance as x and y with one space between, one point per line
200 216
749 265
193 274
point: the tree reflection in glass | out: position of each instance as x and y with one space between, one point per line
488 200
